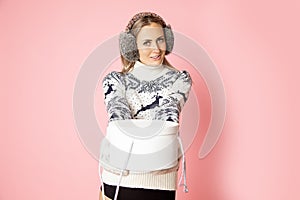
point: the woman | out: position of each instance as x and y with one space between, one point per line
147 88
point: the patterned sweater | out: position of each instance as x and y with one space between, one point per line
146 92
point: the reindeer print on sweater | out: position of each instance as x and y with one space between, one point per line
126 96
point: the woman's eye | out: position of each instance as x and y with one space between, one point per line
147 43
161 40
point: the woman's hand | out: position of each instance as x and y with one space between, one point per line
100 196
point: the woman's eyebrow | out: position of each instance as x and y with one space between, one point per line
151 39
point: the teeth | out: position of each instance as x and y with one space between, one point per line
156 56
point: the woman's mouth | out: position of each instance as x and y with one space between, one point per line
157 57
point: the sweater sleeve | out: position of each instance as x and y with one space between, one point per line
180 89
176 97
117 107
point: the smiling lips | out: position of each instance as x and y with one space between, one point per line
157 57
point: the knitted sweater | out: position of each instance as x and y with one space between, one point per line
146 92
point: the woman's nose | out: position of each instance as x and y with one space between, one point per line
155 46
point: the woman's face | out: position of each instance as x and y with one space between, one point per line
151 44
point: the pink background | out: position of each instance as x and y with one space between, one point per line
255 45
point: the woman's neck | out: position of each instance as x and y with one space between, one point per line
147 72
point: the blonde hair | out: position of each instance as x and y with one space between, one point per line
135 29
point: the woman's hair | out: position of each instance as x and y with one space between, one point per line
135 29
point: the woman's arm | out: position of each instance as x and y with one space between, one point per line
180 89
175 99
117 106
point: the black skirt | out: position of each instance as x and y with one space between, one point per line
126 193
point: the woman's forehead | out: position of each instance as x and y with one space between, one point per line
148 32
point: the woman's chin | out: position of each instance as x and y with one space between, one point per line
154 62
